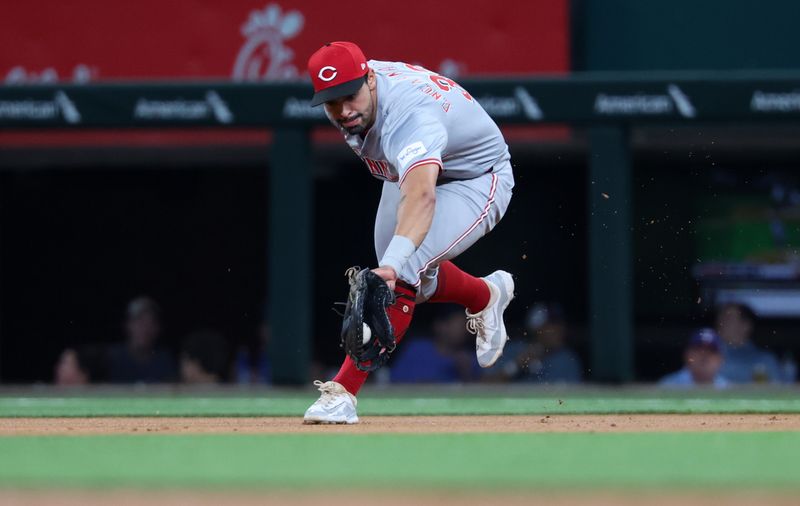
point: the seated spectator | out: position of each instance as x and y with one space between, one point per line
204 358
541 357
448 357
702 362
252 364
80 366
744 361
139 358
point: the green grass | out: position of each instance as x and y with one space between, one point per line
376 404
346 461
476 461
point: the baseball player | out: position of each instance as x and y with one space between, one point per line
447 182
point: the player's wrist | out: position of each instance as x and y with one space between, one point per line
397 254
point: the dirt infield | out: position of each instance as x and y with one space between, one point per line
403 424
406 424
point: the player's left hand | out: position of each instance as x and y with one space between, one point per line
388 274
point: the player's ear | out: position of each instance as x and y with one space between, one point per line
371 79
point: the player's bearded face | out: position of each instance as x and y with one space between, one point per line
355 113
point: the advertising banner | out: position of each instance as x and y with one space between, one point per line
576 100
96 40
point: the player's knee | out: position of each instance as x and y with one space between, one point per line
427 288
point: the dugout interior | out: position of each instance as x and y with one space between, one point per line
184 217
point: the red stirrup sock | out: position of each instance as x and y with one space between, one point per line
400 313
350 377
455 285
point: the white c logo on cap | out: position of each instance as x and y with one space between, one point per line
330 77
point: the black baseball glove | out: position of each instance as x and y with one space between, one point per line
367 303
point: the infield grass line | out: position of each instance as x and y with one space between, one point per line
375 405
428 461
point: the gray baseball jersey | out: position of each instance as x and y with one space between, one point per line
424 118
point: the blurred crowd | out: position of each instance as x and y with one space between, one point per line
541 350
204 358
726 354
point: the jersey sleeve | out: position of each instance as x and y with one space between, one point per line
415 141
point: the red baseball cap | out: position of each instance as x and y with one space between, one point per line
337 69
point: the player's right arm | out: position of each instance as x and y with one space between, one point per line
414 218
417 203
414 146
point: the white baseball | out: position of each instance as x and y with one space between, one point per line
367 333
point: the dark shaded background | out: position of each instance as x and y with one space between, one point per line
79 242
83 231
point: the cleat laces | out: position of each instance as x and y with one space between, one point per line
328 389
475 325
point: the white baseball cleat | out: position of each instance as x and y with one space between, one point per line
335 405
488 325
